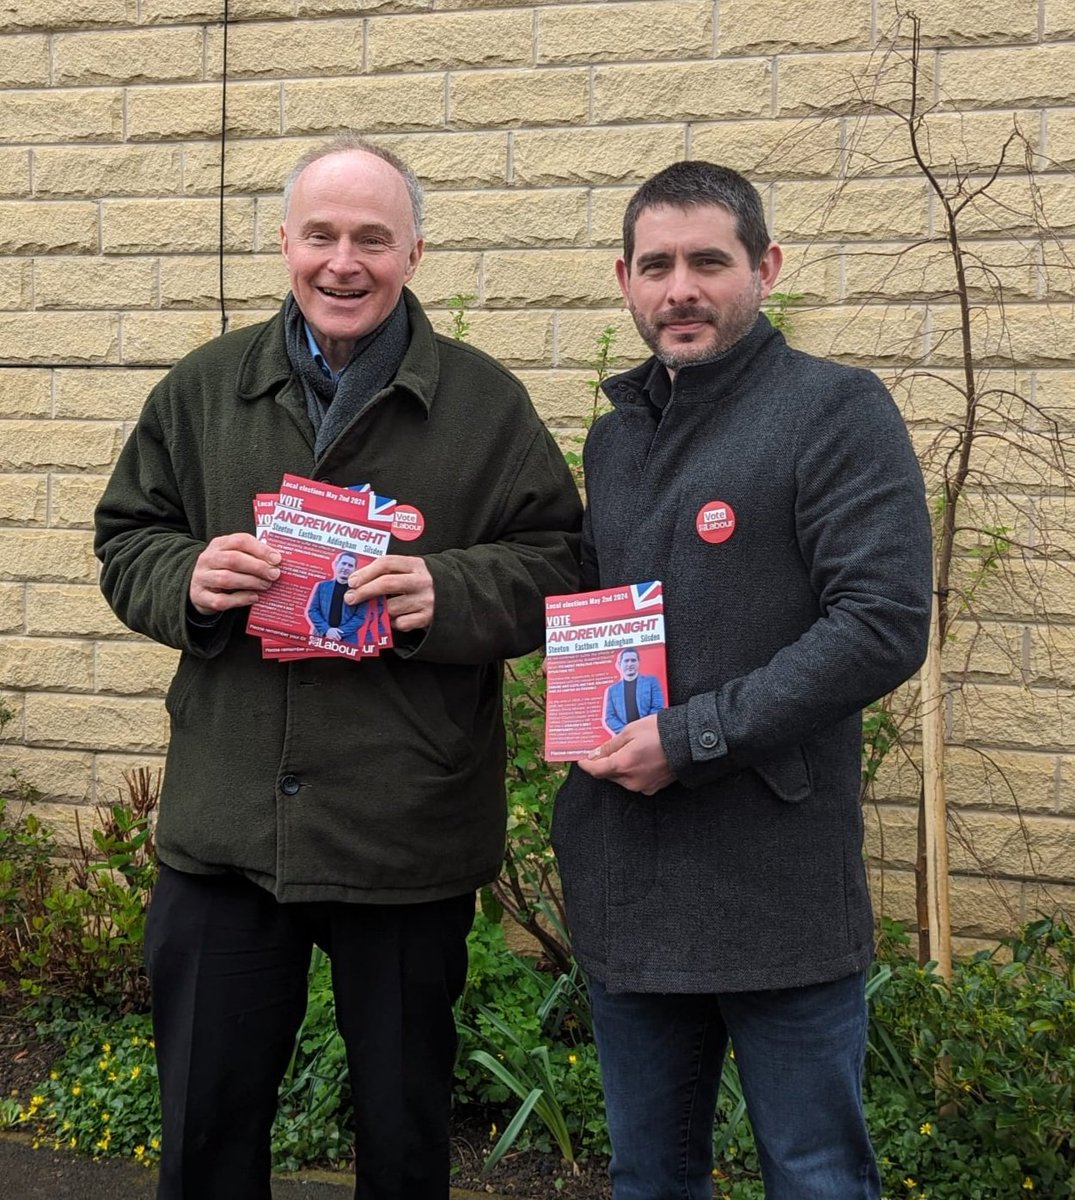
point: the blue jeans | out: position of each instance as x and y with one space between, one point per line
800 1055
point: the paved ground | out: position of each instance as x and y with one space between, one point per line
28 1174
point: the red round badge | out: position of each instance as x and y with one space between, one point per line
715 521
407 522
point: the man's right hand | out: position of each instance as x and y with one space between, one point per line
231 572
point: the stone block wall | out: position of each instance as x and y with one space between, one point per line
531 123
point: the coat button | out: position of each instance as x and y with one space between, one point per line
708 738
289 785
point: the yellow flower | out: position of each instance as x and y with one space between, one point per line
572 1059
103 1065
54 1075
136 1071
910 1183
155 1143
925 1128
106 1047
492 1131
1028 1184
151 1044
139 1152
106 1117
112 1076
76 1089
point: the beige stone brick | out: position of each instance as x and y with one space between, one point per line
164 337
963 22
510 218
845 83
474 39
789 149
859 209
976 141
166 113
994 843
249 280
65 775
1002 779
109 771
984 650
550 278
70 610
1014 207
891 830
23 499
594 155
453 160
608 32
253 166
96 722
269 218
243 318
870 336
76 115
144 669
1051 525
287 48
562 398
63 337
14 173
578 334
64 14
81 283
516 339
24 61
63 445
810 275
683 91
443 274
52 555
785 25
72 499
999 78
186 226
332 8
364 103
508 98
12 709
25 393
167 12
39 664
1017 718
987 908
47 227
103 394
15 283
144 56
607 206
11 607
936 397
107 171
926 270
1029 334
1059 19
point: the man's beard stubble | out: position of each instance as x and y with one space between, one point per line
729 324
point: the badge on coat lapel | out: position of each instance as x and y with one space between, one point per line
715 521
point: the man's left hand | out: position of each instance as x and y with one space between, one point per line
634 759
406 583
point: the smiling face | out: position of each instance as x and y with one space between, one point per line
349 243
690 286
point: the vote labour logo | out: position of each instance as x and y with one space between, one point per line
407 523
715 521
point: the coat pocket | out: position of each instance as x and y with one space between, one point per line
787 775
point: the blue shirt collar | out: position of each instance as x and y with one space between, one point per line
319 358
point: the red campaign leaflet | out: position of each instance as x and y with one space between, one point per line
323 533
605 665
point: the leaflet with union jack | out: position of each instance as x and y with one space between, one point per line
324 533
605 665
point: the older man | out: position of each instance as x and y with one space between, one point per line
351 806
711 853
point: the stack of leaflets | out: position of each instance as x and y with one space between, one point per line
323 533
605 665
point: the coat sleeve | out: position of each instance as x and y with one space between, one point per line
863 531
489 597
146 546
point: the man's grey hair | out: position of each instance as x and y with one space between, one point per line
351 143
696 182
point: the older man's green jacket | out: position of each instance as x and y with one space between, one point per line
378 781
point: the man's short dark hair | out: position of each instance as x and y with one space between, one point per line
695 182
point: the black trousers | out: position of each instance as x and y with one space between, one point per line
228 966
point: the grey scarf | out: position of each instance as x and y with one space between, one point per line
374 363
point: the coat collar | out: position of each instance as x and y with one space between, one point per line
699 384
264 367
